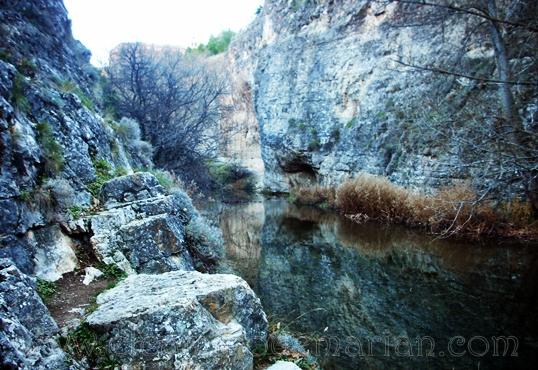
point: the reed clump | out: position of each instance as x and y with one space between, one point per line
452 211
319 196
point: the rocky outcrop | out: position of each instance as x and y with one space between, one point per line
51 133
181 320
130 188
331 101
63 204
54 253
147 235
26 328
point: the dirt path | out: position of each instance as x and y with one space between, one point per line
72 297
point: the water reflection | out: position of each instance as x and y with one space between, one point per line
330 278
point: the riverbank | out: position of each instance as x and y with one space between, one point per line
455 211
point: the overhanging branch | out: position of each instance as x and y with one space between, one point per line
458 74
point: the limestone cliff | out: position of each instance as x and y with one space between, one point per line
51 132
331 100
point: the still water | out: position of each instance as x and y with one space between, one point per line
371 296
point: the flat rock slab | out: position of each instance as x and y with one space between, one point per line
181 319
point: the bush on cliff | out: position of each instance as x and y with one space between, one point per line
52 151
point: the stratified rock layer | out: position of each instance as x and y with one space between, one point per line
148 233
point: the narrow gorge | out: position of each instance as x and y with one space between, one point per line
341 184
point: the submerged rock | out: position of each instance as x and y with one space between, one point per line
26 328
181 320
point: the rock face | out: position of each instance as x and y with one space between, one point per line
54 254
181 320
130 188
26 328
51 134
57 151
331 101
147 235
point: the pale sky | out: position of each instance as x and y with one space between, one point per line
102 24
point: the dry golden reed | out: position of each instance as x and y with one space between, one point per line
452 211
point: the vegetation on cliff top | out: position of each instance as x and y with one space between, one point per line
216 44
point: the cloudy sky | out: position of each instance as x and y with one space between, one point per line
102 24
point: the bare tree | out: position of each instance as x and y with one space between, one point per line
177 100
492 139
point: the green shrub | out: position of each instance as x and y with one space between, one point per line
85 343
27 67
231 177
165 178
127 130
215 45
351 123
103 173
45 289
77 211
111 271
200 232
381 115
25 195
335 133
120 171
70 87
314 144
18 93
52 151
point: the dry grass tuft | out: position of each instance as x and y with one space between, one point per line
319 196
453 210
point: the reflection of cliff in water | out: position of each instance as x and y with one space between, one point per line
242 229
329 277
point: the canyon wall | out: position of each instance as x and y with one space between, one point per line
51 133
330 98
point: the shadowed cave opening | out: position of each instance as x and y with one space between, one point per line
299 165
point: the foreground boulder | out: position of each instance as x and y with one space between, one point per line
26 328
181 320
